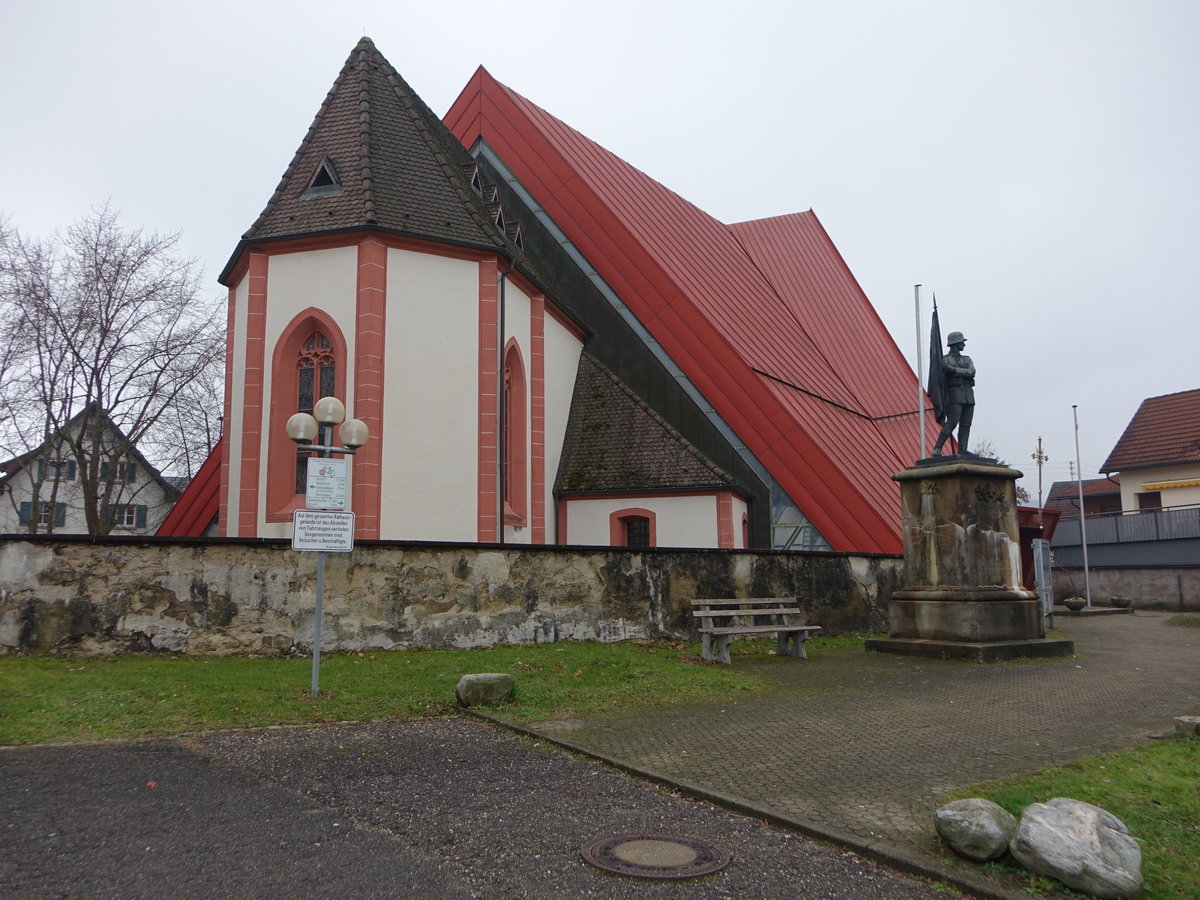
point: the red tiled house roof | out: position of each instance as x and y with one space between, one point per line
764 317
1165 431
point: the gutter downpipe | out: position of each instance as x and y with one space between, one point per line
920 377
501 412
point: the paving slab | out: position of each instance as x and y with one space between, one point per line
859 747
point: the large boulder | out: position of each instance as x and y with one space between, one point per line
483 689
1083 846
975 828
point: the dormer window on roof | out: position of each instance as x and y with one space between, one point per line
476 181
324 181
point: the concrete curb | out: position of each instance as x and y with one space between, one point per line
892 855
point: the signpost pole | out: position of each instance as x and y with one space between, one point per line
317 529
316 656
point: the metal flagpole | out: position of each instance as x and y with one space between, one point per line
920 376
1087 583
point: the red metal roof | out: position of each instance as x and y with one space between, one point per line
197 506
764 317
1165 431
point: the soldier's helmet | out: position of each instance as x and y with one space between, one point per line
956 337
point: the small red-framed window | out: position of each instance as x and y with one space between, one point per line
634 527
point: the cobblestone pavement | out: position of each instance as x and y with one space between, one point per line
862 744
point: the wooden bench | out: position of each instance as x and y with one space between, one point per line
719 620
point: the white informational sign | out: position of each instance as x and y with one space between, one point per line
326 487
317 529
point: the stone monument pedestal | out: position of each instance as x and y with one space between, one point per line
962 596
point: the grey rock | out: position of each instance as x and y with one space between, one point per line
1083 846
483 689
975 828
1188 726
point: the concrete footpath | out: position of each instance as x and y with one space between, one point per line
846 745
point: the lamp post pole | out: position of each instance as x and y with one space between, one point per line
302 428
1087 579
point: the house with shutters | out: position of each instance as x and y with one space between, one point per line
88 463
547 345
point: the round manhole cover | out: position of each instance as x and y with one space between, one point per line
654 855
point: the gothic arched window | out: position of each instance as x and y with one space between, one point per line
316 371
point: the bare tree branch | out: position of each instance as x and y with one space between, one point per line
105 324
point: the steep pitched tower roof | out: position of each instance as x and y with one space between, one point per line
376 156
764 318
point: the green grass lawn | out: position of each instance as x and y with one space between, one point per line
1153 789
59 698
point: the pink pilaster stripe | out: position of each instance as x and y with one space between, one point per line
370 319
537 418
489 343
725 520
252 395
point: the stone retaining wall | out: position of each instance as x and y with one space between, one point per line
234 596
1171 588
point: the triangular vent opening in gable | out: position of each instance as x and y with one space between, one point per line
323 182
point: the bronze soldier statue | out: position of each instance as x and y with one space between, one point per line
960 393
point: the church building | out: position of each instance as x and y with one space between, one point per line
547 345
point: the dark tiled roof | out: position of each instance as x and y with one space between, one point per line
1065 494
615 442
1165 431
397 165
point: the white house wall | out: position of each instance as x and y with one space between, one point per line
1139 481
431 399
679 521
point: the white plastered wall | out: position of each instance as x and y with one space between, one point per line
431 399
563 350
679 521
328 281
236 421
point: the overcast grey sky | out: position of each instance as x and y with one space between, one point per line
1034 162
